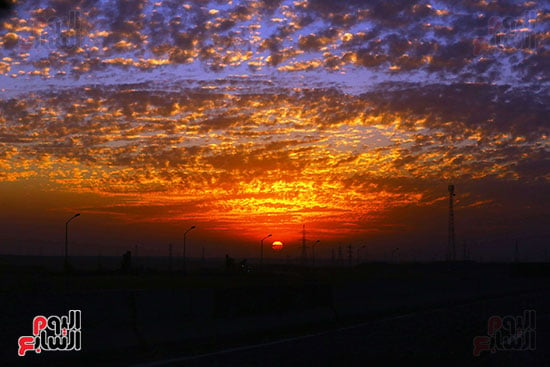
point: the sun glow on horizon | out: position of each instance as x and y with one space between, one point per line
277 246
250 118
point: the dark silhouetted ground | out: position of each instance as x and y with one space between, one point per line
286 315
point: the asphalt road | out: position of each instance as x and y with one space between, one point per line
438 337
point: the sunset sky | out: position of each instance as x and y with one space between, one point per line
252 117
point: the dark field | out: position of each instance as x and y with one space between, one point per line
386 314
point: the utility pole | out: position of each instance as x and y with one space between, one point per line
313 252
262 250
170 257
451 250
304 251
185 249
67 266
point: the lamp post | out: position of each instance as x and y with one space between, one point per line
184 248
67 241
313 252
262 249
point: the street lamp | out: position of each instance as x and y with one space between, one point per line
185 247
67 241
262 249
313 251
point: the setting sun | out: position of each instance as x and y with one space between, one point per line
277 246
